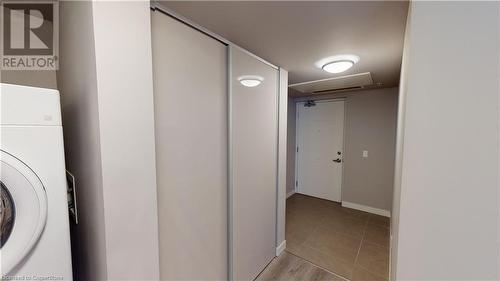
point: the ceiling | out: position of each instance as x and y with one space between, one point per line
296 34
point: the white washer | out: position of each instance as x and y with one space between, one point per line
35 239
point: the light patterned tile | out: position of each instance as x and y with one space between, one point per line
379 220
329 262
347 225
334 243
330 236
374 258
361 274
288 267
377 234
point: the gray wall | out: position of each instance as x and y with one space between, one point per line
449 204
370 124
34 78
107 95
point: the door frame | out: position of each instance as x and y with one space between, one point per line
297 131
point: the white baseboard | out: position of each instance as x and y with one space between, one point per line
368 209
290 194
281 248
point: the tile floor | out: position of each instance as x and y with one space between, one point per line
350 243
288 267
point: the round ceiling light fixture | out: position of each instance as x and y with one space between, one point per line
250 80
337 64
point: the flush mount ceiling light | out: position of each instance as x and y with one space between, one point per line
337 64
250 80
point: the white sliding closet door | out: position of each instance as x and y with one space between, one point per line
254 166
190 96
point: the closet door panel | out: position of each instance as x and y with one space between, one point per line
190 96
254 165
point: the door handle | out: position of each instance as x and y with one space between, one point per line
338 160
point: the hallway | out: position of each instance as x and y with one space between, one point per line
348 242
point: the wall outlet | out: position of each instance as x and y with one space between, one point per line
365 153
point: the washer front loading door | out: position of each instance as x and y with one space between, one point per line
24 211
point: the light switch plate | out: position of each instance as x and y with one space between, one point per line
365 153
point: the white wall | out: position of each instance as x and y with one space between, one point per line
449 203
122 32
398 159
79 98
107 93
498 267
282 161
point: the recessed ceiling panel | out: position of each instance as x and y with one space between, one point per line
348 82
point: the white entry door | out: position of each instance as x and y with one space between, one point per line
320 135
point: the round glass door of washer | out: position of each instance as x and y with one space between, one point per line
23 211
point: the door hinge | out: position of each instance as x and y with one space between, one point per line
297 149
296 183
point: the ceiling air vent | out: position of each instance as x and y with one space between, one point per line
341 83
